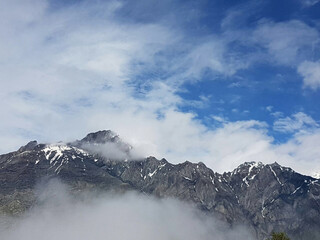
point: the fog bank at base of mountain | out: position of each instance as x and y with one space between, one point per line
60 215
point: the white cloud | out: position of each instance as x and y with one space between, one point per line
288 42
114 216
237 142
297 122
302 152
310 71
213 55
56 62
77 69
269 108
277 114
291 43
219 118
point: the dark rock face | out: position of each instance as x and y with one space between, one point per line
276 198
265 197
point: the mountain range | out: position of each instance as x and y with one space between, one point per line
264 197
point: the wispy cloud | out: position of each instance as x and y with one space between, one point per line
310 72
308 3
287 43
296 123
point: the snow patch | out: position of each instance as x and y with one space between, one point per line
58 149
252 165
296 190
162 165
275 175
189 179
154 172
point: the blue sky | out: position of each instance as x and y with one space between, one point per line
221 82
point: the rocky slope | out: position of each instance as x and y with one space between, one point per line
265 197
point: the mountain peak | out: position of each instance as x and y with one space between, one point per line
100 137
249 165
29 146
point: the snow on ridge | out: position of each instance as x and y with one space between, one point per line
58 150
151 174
252 166
296 190
189 179
275 175
316 175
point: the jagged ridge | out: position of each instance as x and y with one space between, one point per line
266 197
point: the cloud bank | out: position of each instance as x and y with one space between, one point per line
109 216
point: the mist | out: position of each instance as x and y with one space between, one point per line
61 215
116 151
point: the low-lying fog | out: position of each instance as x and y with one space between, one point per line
60 216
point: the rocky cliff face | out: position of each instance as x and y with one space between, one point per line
265 197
